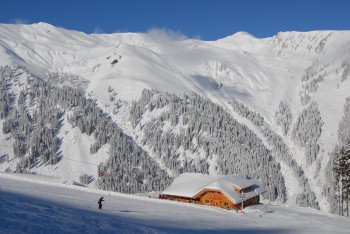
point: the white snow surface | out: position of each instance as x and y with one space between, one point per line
190 184
44 205
258 72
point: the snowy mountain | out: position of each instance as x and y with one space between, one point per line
149 106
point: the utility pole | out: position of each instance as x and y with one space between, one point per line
269 180
242 197
270 188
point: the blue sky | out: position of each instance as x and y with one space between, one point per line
208 20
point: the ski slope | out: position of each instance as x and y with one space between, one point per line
34 204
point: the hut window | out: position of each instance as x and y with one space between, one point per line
207 201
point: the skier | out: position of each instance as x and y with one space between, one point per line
100 202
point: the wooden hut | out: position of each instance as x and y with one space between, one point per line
225 191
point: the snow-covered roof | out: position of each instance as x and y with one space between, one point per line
191 184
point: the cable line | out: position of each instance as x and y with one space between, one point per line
6 146
79 161
61 158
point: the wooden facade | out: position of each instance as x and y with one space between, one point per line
212 197
215 198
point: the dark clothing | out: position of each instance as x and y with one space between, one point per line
100 202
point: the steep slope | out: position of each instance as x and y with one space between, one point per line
287 92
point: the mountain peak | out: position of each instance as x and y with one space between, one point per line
242 41
243 34
43 25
